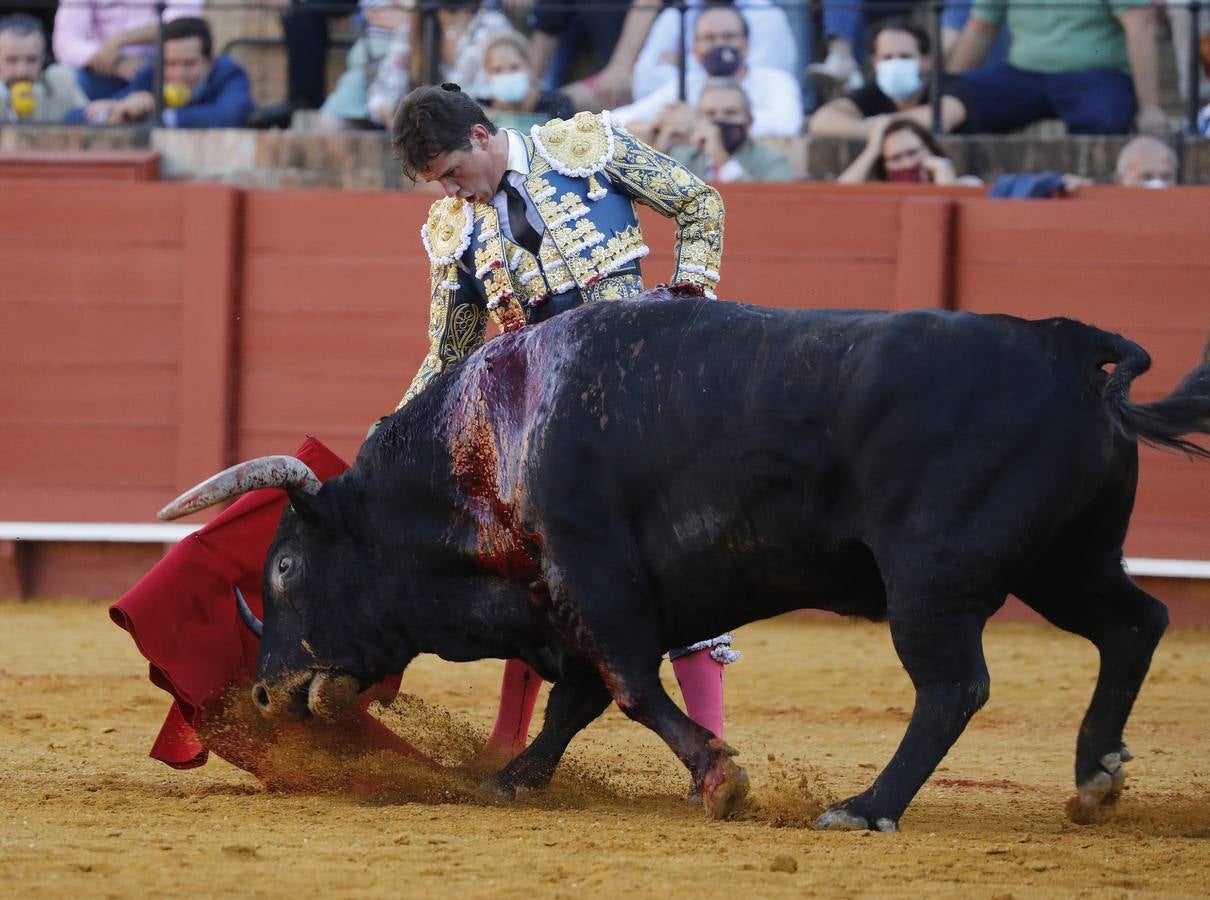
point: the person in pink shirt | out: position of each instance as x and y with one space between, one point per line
107 41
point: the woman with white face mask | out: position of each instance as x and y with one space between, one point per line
902 69
513 99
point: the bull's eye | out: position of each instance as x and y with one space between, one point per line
284 564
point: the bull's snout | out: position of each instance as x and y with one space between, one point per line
322 694
280 702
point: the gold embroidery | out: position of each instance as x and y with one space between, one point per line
577 147
670 189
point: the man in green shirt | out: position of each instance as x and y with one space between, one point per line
1090 63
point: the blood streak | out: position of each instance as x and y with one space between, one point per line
503 544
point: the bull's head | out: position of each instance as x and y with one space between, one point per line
318 648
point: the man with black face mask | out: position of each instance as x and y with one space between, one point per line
720 47
719 148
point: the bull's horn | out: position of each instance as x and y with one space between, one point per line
262 472
255 625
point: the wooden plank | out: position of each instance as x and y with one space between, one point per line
1122 231
83 455
73 214
97 502
924 254
120 394
371 223
206 374
324 284
87 335
89 275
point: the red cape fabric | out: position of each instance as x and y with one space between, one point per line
183 619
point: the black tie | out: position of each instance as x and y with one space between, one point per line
523 233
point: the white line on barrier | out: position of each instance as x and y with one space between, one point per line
115 532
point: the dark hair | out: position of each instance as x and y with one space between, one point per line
434 120
722 4
902 23
22 24
190 27
878 170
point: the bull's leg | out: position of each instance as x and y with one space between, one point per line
718 781
942 650
1125 624
574 702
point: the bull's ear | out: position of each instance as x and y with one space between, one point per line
308 505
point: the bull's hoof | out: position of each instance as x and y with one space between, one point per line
495 790
837 819
1103 788
725 785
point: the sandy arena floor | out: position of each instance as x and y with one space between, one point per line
816 706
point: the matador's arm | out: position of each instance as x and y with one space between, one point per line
672 190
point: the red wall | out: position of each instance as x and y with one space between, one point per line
152 334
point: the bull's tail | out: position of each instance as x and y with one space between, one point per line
1164 423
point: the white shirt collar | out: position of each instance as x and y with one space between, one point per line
518 155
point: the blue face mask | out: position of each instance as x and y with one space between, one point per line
899 79
511 87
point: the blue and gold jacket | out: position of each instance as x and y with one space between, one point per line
585 176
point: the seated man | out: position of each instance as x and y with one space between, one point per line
1092 65
902 65
1146 162
719 148
29 93
108 41
720 46
200 90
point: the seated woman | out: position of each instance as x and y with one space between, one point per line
900 150
514 99
383 65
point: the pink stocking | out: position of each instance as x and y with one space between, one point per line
701 679
518 694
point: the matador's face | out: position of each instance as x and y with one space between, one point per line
472 173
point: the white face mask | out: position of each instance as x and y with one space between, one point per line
898 78
1155 183
511 87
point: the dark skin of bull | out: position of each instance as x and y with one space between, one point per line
628 478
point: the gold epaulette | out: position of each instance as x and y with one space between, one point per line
447 231
578 147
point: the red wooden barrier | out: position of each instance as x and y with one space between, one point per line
150 334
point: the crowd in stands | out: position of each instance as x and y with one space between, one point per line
753 69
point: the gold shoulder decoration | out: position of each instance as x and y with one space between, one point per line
578 147
447 233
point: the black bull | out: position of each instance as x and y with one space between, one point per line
627 478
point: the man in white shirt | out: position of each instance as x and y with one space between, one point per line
772 43
720 47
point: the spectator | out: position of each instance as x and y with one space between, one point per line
29 93
902 65
1182 22
108 41
900 150
305 29
720 46
844 23
1093 65
771 45
1146 162
200 90
348 106
1203 115
719 148
559 32
514 99
465 26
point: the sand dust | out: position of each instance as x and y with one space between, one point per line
816 706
